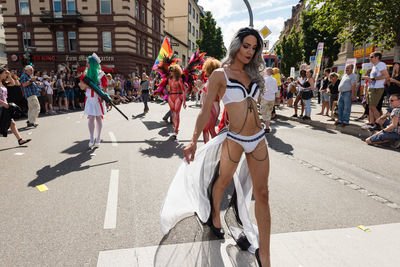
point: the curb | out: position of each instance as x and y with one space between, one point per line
353 130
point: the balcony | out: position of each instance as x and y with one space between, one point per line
58 18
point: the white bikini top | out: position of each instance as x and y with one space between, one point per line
237 92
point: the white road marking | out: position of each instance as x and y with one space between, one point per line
328 248
113 139
18 153
29 133
78 122
110 220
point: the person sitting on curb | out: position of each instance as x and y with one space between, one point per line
391 127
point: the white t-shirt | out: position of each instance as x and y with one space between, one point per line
377 72
271 87
301 81
47 87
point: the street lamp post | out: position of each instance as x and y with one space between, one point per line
250 12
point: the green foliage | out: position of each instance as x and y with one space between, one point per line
291 51
212 41
361 21
312 35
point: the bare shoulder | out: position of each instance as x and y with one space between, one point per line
218 76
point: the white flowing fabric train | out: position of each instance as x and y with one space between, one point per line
187 193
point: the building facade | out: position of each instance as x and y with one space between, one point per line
3 55
178 47
182 20
126 34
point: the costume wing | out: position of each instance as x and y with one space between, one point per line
193 69
162 69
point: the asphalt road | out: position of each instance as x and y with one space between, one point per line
110 198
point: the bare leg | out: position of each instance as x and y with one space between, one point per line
228 165
258 162
14 130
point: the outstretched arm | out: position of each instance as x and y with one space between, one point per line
216 82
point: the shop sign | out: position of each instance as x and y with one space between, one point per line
360 52
44 58
69 58
14 58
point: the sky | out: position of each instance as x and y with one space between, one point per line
232 15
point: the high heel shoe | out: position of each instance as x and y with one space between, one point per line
258 257
218 232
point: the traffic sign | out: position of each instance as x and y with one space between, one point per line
265 44
265 31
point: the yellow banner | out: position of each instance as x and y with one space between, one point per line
360 52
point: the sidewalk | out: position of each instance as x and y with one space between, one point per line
320 121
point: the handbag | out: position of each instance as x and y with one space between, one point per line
305 95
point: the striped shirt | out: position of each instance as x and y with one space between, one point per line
31 89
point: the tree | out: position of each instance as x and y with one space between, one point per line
290 51
311 36
212 41
374 22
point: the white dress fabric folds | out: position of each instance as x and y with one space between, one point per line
188 192
94 105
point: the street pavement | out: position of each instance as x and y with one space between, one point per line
101 207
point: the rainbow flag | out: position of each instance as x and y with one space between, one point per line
165 50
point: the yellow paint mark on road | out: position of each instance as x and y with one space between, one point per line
364 228
42 187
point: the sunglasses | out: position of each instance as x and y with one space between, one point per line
392 100
371 57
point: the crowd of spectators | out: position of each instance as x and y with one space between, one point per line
59 91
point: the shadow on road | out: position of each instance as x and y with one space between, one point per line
276 143
9 148
69 165
162 149
141 115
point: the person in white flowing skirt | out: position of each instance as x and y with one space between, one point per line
238 84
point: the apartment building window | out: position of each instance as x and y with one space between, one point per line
139 46
60 41
190 27
193 31
71 8
26 36
194 13
107 47
24 7
137 9
144 52
143 14
197 34
184 60
105 6
57 7
190 8
197 18
72 41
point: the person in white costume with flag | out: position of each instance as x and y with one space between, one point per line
95 106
